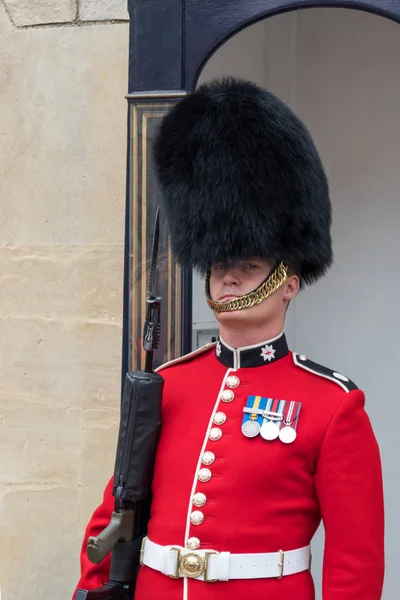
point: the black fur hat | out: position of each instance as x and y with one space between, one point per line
241 177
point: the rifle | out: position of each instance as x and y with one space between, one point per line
134 464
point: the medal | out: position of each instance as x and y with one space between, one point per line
272 419
252 418
250 428
288 434
269 430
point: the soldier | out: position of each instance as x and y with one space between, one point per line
258 444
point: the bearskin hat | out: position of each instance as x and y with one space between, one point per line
240 177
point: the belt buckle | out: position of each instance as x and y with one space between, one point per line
192 564
281 564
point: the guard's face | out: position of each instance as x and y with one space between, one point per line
227 282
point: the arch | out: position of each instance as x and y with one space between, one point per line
210 23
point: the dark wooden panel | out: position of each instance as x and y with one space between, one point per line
155 45
208 23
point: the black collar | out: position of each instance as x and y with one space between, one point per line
252 356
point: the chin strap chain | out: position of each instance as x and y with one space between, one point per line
272 283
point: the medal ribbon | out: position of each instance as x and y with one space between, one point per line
291 414
274 406
257 404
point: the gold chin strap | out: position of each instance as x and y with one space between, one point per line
265 289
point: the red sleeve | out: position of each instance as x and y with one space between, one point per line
94 576
348 482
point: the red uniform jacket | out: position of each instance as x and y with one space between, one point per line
263 495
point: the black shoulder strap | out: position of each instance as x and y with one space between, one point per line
345 383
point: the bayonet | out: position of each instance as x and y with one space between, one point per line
152 325
154 254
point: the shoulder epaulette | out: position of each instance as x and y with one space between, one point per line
302 361
187 357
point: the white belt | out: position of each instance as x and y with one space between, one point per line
209 565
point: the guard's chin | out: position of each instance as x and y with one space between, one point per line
233 316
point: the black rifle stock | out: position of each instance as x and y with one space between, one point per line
137 444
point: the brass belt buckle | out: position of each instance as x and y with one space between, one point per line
281 564
192 565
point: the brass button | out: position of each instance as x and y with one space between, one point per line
204 475
199 499
197 517
341 377
232 381
227 396
193 543
215 434
208 458
219 418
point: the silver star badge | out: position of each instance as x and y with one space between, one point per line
218 349
268 353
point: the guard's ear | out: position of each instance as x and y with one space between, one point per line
291 287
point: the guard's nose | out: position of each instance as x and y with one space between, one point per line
231 277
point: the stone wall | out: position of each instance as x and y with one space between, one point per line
25 13
63 77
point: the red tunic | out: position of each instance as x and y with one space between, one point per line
263 495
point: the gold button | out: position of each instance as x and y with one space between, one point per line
227 396
232 381
199 499
219 418
215 434
208 458
204 475
197 517
193 543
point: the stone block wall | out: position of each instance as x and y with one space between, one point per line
25 13
63 77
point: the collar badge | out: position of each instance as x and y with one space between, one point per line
268 352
